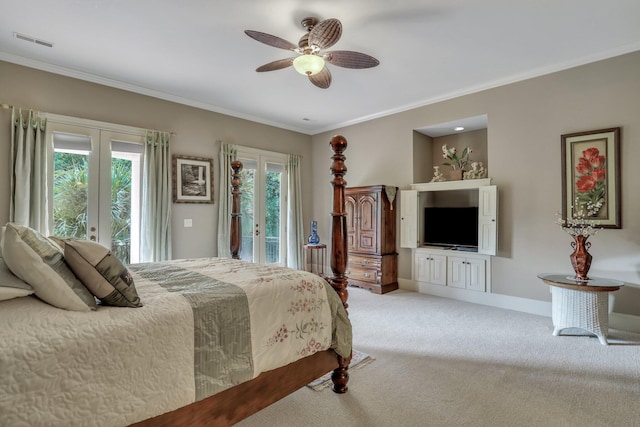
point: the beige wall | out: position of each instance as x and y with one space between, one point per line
197 132
525 122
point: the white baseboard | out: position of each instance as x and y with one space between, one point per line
624 322
541 308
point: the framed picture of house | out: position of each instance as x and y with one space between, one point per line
591 177
192 179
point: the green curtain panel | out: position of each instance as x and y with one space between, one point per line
29 204
155 226
294 217
228 154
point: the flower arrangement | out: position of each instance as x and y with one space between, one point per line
456 163
578 224
590 185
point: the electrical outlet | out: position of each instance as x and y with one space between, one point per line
188 222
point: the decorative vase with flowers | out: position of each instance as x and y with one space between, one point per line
580 229
457 163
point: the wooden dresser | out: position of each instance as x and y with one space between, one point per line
371 238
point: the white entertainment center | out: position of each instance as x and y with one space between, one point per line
446 271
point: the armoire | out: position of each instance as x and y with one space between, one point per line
371 238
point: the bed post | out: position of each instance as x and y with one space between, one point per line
236 226
338 256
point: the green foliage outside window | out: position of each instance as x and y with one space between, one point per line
70 195
70 185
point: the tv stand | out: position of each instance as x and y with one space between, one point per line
450 271
454 269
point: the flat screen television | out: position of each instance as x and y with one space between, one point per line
451 227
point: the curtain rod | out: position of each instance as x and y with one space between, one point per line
6 106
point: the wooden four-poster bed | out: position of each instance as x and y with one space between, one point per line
65 363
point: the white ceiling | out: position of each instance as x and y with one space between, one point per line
195 51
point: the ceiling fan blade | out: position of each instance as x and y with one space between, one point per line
326 33
350 59
321 79
276 65
271 40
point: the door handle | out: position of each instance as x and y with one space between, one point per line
92 238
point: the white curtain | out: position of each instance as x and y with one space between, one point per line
29 196
294 218
155 227
228 154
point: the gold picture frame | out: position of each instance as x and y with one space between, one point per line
591 177
192 179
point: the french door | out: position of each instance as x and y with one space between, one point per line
95 186
263 206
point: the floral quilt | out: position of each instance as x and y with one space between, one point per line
205 325
250 318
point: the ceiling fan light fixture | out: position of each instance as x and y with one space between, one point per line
308 64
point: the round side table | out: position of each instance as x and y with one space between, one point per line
580 304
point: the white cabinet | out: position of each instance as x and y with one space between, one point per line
466 273
409 219
411 227
430 268
454 269
487 219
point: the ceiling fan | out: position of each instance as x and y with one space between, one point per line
311 60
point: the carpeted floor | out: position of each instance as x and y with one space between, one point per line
441 362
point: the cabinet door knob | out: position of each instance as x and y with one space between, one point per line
367 275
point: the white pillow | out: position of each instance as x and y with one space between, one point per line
10 285
39 262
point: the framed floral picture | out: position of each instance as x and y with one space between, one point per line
591 177
192 179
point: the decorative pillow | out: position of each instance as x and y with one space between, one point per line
10 285
40 262
101 272
58 241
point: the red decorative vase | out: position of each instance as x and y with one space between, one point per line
580 258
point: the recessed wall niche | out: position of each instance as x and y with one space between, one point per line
428 142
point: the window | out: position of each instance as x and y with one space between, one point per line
263 206
95 185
